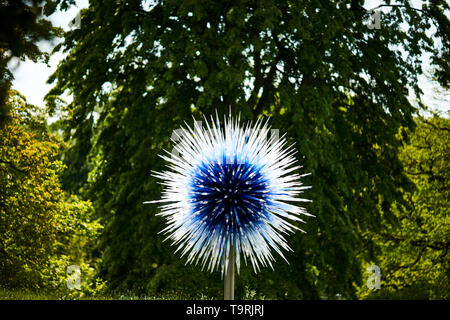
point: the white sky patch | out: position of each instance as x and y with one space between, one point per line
30 78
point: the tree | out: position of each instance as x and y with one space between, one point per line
22 25
42 229
137 70
414 257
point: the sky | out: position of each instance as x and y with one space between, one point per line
30 78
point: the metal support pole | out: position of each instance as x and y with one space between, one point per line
229 276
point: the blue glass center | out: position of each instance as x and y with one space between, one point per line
229 196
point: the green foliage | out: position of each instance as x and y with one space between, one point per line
42 229
413 253
338 88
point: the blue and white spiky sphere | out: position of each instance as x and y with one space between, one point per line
230 187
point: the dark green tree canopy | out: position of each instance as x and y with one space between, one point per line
137 69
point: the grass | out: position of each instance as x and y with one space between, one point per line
25 294
8 294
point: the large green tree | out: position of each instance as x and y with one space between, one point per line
138 69
43 230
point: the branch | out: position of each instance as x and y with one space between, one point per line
258 79
399 6
434 126
415 261
13 166
441 245
267 84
